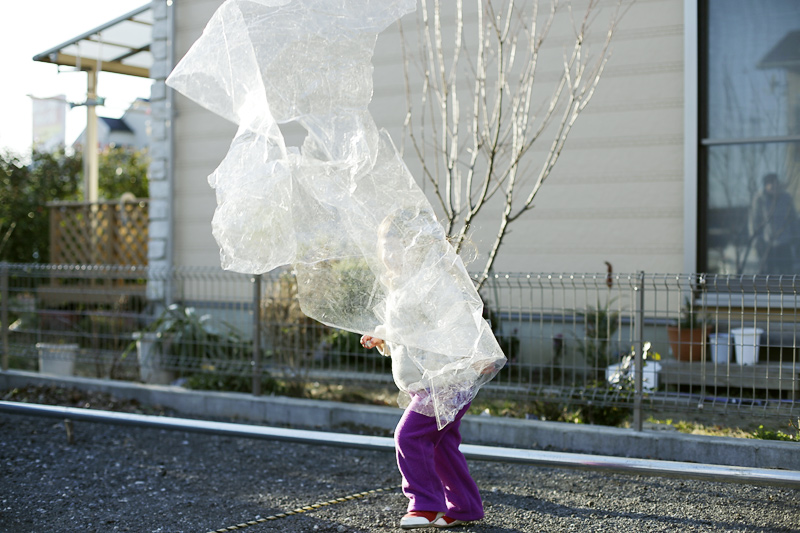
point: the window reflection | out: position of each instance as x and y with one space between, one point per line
751 142
753 201
753 68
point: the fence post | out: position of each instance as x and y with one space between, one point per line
4 312
256 362
638 368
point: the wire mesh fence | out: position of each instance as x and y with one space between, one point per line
718 344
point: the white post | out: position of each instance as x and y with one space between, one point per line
690 139
91 165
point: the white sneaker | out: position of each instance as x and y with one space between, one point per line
420 519
446 521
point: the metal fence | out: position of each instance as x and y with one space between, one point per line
645 342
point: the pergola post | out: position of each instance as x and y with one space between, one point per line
91 163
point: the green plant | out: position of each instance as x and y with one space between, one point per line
597 346
344 347
553 410
123 170
209 379
580 409
615 394
190 341
28 184
508 343
769 434
689 318
25 189
603 415
345 342
624 378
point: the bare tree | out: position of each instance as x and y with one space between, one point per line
476 118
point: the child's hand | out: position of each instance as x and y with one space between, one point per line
484 367
368 341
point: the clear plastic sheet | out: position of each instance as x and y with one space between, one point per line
343 208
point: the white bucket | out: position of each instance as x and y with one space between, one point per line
649 374
720 347
152 362
747 342
57 359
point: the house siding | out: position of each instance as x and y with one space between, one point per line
202 140
616 194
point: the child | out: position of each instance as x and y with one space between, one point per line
436 478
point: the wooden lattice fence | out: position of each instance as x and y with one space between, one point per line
104 233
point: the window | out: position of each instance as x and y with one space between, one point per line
749 155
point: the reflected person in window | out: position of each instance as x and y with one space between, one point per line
774 228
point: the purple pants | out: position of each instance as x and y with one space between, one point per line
435 473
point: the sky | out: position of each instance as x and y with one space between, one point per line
33 26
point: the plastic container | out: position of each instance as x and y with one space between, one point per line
720 344
152 363
57 359
747 342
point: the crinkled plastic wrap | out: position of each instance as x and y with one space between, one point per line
342 208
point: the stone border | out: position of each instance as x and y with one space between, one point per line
496 431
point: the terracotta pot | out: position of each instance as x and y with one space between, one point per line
687 344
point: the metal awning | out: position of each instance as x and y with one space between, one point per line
121 45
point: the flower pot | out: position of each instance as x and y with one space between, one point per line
152 361
720 345
687 344
747 342
58 359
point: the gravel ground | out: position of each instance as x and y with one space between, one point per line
118 478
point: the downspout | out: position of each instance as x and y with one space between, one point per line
690 140
170 133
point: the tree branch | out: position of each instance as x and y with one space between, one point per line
505 122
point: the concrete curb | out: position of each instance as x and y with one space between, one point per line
526 434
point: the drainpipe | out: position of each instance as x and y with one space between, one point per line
170 133
690 136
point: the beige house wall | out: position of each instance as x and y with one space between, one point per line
616 195
201 142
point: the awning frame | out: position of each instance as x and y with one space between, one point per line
93 66
56 55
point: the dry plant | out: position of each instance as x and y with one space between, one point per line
473 115
292 336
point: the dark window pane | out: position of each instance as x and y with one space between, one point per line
752 221
753 77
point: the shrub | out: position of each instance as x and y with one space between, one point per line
232 383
